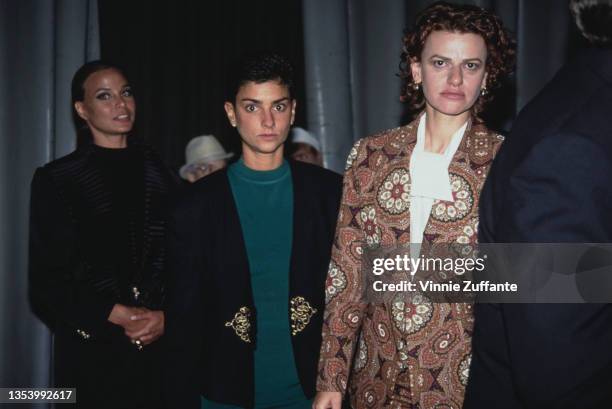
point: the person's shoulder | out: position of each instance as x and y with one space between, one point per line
60 169
66 160
397 139
577 88
483 132
405 134
486 138
483 144
211 186
212 182
315 171
316 179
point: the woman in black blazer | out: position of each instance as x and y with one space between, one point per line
97 233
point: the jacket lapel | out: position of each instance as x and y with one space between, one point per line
301 232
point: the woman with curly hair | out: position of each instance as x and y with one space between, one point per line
418 184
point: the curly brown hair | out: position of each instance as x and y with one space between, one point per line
442 16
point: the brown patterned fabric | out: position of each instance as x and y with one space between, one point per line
405 355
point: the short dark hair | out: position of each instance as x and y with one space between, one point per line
78 93
442 16
259 68
594 20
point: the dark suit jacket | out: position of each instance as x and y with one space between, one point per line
77 273
210 337
551 182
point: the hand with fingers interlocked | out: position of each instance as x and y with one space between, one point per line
141 325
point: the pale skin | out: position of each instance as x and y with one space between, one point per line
109 110
263 114
451 70
452 73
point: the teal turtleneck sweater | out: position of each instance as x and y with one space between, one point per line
264 200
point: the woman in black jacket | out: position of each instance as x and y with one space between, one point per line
97 233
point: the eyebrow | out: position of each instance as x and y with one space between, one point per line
108 89
450 59
256 101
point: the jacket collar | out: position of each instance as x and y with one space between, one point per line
465 151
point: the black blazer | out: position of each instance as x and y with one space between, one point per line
551 182
77 273
208 354
74 281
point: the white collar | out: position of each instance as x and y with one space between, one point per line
429 171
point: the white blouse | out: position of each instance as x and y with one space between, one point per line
429 181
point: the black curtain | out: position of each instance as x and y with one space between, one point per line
176 54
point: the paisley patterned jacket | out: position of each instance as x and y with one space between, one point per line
407 356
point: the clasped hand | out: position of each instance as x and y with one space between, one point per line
138 323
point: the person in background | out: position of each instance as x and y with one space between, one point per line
96 259
552 183
249 249
305 146
418 184
204 155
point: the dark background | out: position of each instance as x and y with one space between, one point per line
176 55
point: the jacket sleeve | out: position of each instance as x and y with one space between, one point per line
61 301
343 290
184 309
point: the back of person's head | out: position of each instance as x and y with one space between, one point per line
594 20
259 68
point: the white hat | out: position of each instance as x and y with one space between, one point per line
300 135
202 149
